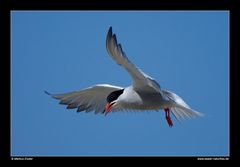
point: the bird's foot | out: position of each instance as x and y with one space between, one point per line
168 118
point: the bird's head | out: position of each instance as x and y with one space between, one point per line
112 100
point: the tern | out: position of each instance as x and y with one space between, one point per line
144 93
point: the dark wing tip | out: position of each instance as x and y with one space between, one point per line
71 106
109 34
52 95
110 29
115 39
48 93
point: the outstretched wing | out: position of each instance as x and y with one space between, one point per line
141 81
89 99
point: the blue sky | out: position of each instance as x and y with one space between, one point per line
187 52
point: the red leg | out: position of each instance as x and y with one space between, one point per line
168 118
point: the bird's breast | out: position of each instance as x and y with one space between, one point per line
131 99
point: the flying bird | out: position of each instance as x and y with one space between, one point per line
144 93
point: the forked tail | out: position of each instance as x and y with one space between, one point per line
179 108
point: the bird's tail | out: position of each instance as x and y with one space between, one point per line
179 108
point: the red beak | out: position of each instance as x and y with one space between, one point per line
108 107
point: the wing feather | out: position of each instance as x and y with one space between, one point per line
89 99
141 81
